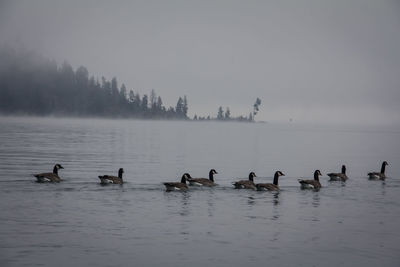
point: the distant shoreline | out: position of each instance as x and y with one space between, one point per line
33 85
66 116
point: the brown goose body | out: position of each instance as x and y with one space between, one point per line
379 175
339 176
109 179
311 184
376 176
178 186
267 186
246 184
271 187
49 177
203 181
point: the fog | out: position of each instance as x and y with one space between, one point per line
310 61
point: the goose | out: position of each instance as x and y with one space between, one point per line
109 179
203 181
271 187
178 186
246 184
311 184
379 175
339 176
51 177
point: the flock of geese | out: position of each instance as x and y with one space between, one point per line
242 184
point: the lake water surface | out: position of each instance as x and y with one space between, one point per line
79 222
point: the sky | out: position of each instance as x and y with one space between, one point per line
309 61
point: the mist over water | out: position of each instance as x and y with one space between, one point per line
81 222
309 61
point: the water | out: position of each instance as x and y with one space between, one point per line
79 222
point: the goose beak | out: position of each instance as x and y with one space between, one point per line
283 174
61 167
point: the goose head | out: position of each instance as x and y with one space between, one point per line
276 176
211 174
251 176
120 172
384 164
212 171
185 176
343 169
317 173
58 166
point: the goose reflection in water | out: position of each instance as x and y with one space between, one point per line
211 203
276 209
185 208
316 200
275 199
251 201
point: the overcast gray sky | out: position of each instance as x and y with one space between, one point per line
307 60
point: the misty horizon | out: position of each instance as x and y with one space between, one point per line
315 62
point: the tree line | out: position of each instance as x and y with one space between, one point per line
32 84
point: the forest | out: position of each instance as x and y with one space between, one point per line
31 84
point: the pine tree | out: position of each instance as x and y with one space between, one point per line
145 103
185 107
220 115
227 114
159 103
153 99
122 92
256 107
114 86
179 107
131 96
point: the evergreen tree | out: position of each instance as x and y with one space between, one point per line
106 85
179 107
131 96
114 86
137 102
185 107
153 99
227 114
159 103
256 107
82 77
122 92
145 103
220 115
